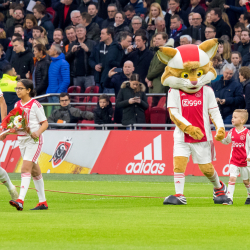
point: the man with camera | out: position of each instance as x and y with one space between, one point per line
77 56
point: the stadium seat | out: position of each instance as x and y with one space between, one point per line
86 122
112 99
74 89
162 102
82 108
158 116
51 11
92 89
150 100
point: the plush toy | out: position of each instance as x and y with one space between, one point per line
191 105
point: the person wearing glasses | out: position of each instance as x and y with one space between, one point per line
109 22
68 114
7 86
210 32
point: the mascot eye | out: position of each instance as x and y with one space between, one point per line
184 75
199 73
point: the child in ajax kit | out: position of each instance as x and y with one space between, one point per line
239 162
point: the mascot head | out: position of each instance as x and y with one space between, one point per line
189 66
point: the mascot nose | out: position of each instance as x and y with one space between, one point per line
194 82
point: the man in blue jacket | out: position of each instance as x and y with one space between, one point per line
59 73
228 93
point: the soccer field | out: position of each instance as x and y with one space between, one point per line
76 221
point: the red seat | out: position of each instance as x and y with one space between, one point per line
74 89
150 100
112 99
92 89
162 103
52 13
82 108
158 116
86 122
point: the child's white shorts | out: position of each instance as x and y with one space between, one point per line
202 152
243 171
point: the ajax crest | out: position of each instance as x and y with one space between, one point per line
61 152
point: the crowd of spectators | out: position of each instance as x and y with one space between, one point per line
63 43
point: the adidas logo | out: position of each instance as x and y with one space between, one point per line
183 94
150 154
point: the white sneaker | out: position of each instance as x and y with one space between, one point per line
14 194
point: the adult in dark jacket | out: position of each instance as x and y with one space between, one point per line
44 20
41 69
93 11
245 42
83 7
103 6
60 20
115 80
228 93
120 24
133 100
9 54
138 6
222 28
3 61
110 20
22 62
141 57
77 56
246 60
103 112
196 8
67 113
197 30
4 42
244 76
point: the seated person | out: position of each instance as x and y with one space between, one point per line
103 112
67 114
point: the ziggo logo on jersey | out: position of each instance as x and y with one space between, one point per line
186 103
238 145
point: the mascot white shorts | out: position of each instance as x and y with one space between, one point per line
243 171
202 152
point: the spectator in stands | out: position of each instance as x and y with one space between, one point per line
71 36
245 44
22 62
75 16
185 39
103 112
119 25
97 60
93 10
132 98
222 28
9 52
210 32
115 80
208 20
136 24
7 85
141 57
176 29
84 6
62 19
246 59
3 40
224 49
228 93
109 22
160 25
244 76
196 8
117 50
36 33
237 32
10 18
44 20
59 73
197 30
77 56
92 29
190 20
157 68
218 64
138 6
29 23
3 61
58 37
18 17
68 114
246 20
236 61
104 5
155 11
130 13
41 69
19 29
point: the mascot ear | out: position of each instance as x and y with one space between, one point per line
210 47
165 54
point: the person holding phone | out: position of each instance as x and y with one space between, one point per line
132 99
155 11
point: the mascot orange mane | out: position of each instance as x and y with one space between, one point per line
191 105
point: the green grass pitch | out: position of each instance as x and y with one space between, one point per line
94 222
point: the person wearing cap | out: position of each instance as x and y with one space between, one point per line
156 68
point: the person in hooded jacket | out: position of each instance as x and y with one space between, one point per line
132 98
103 112
3 61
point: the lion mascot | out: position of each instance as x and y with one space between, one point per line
191 105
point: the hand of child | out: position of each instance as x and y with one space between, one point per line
35 135
248 159
2 137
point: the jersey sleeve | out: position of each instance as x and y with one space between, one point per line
211 99
173 98
248 143
228 139
40 112
1 93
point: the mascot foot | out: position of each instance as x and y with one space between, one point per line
177 199
220 194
